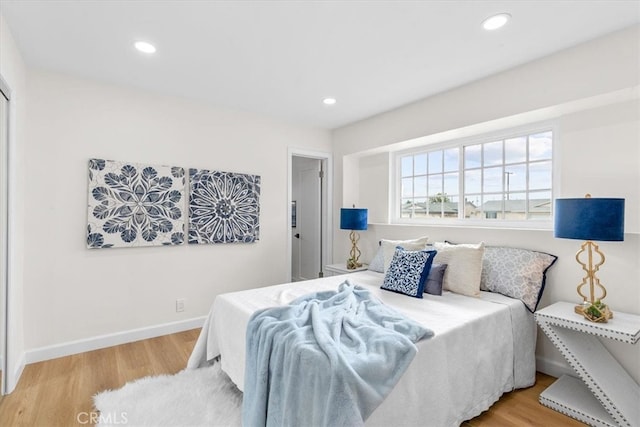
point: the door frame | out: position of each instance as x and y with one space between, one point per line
327 223
5 250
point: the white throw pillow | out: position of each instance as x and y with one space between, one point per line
389 248
464 269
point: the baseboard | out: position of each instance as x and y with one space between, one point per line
109 340
553 367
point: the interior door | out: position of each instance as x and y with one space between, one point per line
306 229
309 221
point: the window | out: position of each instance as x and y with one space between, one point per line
497 179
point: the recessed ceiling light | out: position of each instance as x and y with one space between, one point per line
145 47
496 21
329 101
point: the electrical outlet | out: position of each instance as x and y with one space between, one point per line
180 304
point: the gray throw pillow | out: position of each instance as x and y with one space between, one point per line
433 285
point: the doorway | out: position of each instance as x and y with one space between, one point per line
309 218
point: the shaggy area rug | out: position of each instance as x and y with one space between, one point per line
197 397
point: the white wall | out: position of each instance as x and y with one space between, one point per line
12 69
591 93
72 293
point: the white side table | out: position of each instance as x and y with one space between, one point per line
337 269
605 394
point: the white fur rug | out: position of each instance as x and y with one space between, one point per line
198 397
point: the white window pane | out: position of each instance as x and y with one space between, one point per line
540 146
472 156
540 176
492 180
435 162
407 187
515 207
493 206
451 183
435 184
517 196
439 198
436 205
420 164
492 152
472 181
420 207
540 205
451 159
406 210
515 178
471 206
515 150
420 186
407 166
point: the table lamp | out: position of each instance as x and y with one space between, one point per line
590 219
353 219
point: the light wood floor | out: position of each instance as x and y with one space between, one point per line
58 392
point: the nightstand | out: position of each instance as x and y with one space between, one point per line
605 394
337 269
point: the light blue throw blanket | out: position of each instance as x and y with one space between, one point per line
327 359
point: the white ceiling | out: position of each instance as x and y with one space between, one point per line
281 58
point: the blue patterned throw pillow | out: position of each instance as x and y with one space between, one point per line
408 272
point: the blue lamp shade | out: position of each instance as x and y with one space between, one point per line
589 219
353 219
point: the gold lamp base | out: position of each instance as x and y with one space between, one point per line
354 254
592 307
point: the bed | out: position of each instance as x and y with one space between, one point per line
483 346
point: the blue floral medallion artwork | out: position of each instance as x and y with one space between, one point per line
224 207
133 205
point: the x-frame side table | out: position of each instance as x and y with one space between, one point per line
605 394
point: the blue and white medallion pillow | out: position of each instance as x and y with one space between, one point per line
408 272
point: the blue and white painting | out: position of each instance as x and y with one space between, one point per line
133 205
224 207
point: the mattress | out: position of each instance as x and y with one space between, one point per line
482 347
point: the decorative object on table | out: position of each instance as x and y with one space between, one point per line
353 219
590 219
133 205
224 207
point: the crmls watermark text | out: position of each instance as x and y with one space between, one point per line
111 418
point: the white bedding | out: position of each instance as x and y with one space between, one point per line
482 347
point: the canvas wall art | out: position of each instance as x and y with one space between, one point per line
133 205
224 207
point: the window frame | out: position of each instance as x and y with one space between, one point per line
395 195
